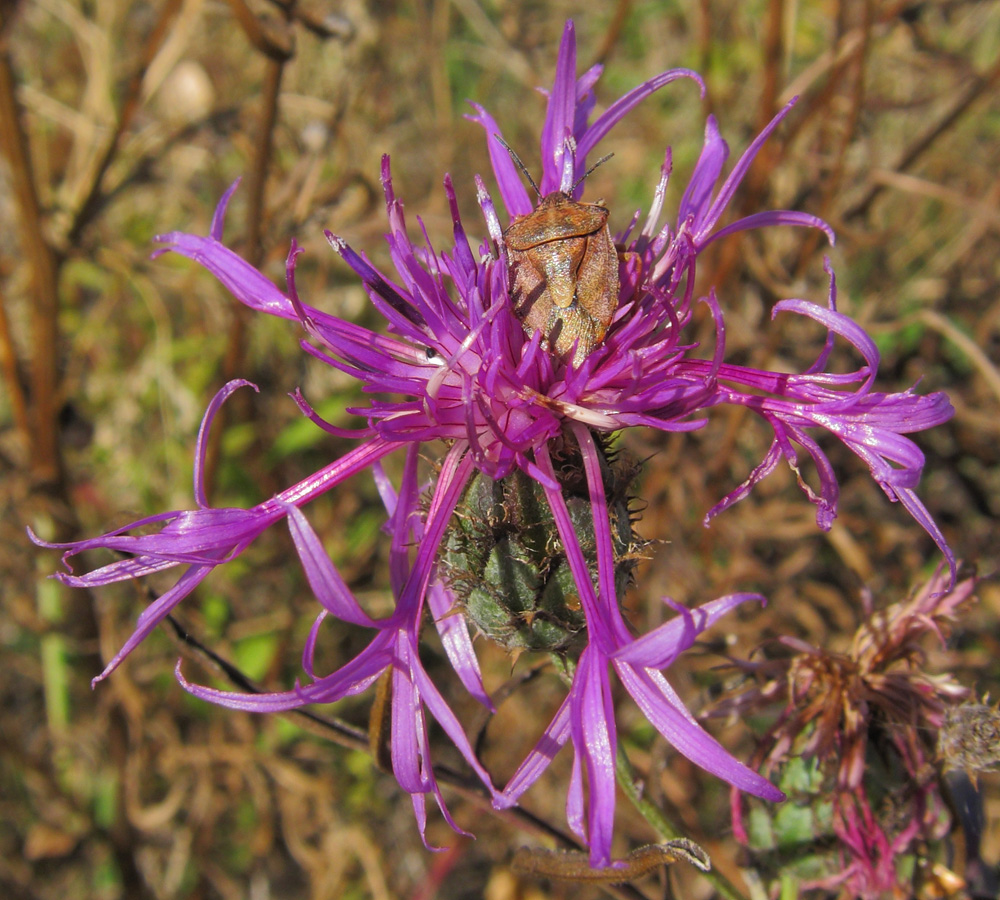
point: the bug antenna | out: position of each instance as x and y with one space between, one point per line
600 162
521 165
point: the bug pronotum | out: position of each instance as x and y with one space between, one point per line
562 271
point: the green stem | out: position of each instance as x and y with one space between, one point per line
53 651
666 829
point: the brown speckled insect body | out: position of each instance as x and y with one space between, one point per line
563 271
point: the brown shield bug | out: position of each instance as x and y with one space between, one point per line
562 269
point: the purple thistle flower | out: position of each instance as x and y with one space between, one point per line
460 368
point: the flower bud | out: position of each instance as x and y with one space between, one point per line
505 561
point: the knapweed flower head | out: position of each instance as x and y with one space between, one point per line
465 364
854 742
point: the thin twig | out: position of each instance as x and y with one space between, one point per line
973 352
233 361
345 735
325 25
95 198
262 160
666 829
275 45
772 54
613 33
13 377
972 92
46 460
853 67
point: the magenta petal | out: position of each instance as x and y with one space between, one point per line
447 720
512 191
201 444
840 324
770 219
576 803
560 114
621 107
689 738
353 678
598 624
553 739
408 725
712 215
698 195
454 632
658 648
241 279
410 746
916 508
155 613
190 537
604 549
324 579
219 218
595 740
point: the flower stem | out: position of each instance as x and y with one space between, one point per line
666 829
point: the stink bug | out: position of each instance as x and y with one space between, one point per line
562 269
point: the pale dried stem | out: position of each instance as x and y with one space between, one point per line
131 104
494 42
921 187
974 89
969 348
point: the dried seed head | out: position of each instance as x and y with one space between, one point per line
970 738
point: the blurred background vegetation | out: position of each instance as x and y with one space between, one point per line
121 120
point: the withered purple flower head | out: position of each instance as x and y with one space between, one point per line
465 369
862 724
